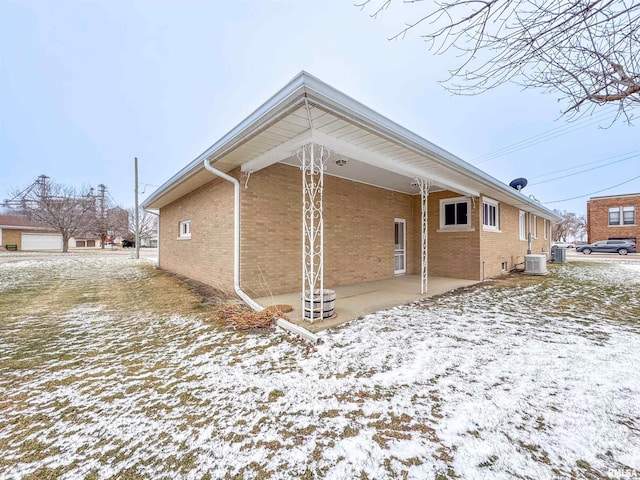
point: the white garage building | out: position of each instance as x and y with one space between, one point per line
18 234
41 241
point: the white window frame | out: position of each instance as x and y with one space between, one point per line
534 227
522 224
403 250
496 205
544 228
628 208
616 210
184 231
457 226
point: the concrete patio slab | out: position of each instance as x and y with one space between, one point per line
353 301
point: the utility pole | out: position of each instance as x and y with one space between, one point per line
102 206
137 214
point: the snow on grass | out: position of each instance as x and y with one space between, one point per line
523 380
59 268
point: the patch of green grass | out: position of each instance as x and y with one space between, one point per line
275 394
333 413
45 473
269 445
349 431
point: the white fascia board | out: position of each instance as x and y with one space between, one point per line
536 208
325 95
279 103
328 97
387 163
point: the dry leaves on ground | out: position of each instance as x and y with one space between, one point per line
243 318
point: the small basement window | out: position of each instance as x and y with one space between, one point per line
454 213
185 229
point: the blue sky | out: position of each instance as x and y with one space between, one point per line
87 85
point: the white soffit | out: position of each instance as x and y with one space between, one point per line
345 139
364 173
275 130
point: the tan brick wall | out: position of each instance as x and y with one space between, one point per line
450 253
12 237
506 245
598 218
208 255
358 235
475 254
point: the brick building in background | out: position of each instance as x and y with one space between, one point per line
613 217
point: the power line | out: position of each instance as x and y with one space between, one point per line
592 193
553 172
145 185
585 170
113 199
542 137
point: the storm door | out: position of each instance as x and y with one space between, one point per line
400 246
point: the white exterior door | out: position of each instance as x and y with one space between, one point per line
400 246
41 241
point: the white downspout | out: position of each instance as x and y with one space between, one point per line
236 235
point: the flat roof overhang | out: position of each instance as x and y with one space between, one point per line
378 151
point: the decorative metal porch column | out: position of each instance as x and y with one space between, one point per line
424 196
312 158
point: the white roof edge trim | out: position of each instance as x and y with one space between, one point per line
346 106
263 114
377 122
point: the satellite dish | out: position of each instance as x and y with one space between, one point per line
518 183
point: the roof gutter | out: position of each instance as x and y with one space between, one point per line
281 322
348 107
277 105
236 235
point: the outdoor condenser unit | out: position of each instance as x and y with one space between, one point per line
535 265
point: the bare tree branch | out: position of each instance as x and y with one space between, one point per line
63 208
147 223
588 51
70 211
570 227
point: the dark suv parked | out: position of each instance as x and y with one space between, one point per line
621 247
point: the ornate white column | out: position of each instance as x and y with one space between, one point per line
424 196
312 159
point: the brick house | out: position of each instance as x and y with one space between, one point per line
314 190
613 217
17 233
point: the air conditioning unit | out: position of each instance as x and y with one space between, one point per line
535 265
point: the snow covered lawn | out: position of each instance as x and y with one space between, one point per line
109 369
